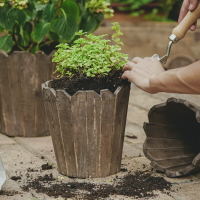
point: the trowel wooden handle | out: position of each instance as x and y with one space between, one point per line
185 24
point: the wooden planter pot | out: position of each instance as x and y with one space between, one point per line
22 110
87 130
173 137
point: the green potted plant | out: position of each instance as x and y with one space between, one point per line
26 27
87 106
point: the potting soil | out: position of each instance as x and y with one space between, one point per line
137 185
71 86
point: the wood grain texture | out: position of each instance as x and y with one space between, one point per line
63 102
107 134
6 96
91 130
122 98
42 74
191 17
49 97
14 71
173 137
22 109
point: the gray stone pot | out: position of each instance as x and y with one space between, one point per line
22 110
87 130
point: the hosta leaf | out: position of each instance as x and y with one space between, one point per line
65 26
3 11
39 6
6 43
88 24
99 16
28 27
20 17
71 8
15 16
53 36
48 13
23 38
40 31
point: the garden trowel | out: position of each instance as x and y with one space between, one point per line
179 32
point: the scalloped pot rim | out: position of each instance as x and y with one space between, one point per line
47 84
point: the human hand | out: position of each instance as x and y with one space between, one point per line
188 5
141 71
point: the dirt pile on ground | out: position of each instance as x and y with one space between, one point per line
138 185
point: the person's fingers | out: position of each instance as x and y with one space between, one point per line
184 10
193 5
126 74
128 66
136 60
193 27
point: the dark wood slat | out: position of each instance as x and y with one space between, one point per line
107 118
165 164
196 161
93 132
41 72
14 68
79 128
170 132
162 143
63 102
121 106
5 96
191 169
27 63
49 98
169 153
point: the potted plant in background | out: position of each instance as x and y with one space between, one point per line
149 9
27 27
87 106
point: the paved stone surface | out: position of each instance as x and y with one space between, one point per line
20 154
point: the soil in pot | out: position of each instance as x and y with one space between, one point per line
71 86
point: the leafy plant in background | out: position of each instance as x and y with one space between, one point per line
158 13
90 56
31 25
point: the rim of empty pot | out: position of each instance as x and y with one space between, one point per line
189 105
47 84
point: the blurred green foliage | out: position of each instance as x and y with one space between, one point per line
160 10
31 25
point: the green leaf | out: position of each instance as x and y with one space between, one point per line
48 13
28 27
1 29
34 49
23 38
20 17
39 6
40 31
3 11
6 43
89 24
71 8
65 26
53 36
99 16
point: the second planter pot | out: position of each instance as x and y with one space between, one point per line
87 130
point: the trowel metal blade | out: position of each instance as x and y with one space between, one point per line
2 174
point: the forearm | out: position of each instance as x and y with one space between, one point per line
181 80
